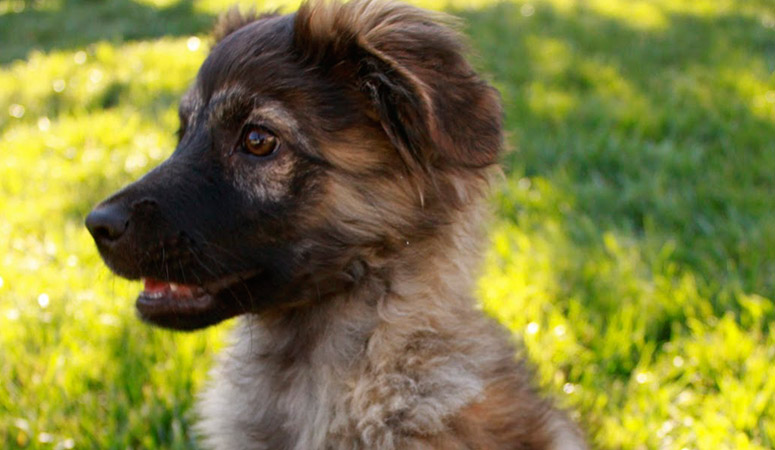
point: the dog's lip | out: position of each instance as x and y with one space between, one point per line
160 297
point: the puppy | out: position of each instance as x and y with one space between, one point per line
327 186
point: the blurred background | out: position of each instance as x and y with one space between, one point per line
633 251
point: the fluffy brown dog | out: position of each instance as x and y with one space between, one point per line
327 186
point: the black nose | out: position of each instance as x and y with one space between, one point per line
107 223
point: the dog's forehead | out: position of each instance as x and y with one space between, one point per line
255 58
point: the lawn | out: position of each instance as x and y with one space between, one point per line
632 251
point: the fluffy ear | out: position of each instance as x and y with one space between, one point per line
232 20
409 63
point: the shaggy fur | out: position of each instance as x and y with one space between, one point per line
350 251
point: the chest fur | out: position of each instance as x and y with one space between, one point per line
317 400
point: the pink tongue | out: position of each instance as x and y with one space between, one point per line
153 286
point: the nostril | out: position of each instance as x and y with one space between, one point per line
107 223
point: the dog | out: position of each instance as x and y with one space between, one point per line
327 187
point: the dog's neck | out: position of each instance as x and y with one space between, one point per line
323 369
430 278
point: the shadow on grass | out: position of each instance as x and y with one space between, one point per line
649 130
642 171
71 24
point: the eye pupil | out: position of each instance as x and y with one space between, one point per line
260 142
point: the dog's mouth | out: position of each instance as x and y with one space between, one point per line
188 306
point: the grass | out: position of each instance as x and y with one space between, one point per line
633 253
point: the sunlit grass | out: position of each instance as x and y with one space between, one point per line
633 251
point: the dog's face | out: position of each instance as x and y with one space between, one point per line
310 144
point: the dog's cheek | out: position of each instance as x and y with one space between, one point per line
264 181
363 151
364 211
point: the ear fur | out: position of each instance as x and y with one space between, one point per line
232 20
409 63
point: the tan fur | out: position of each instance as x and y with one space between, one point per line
407 361
394 353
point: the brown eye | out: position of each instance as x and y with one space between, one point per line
259 141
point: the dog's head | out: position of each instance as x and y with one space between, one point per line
310 144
